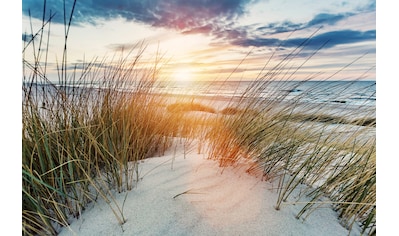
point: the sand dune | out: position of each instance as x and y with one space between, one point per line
191 195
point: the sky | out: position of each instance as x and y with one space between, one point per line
208 40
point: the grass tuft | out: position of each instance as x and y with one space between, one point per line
185 107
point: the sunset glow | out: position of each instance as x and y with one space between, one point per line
183 75
214 37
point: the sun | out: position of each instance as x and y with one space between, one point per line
183 75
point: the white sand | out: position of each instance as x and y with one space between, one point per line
215 201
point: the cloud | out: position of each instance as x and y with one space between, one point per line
207 17
265 34
205 29
280 27
325 18
177 14
27 37
121 47
339 37
183 15
332 39
370 6
320 19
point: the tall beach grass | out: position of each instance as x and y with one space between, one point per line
328 151
84 134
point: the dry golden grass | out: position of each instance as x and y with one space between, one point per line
325 155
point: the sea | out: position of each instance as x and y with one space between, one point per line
356 93
343 98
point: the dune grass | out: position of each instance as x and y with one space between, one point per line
79 135
83 135
330 156
184 107
83 138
